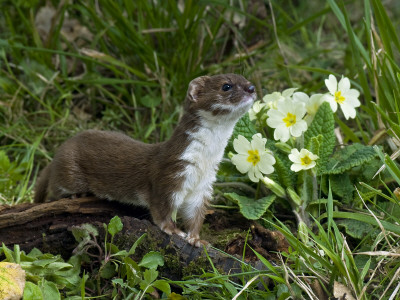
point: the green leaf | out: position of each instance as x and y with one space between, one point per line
231 288
50 290
108 271
84 231
163 286
137 242
349 157
45 262
152 260
355 228
250 208
59 266
32 292
114 226
315 144
149 276
286 177
322 124
342 186
389 226
8 253
150 101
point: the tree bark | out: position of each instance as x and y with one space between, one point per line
47 226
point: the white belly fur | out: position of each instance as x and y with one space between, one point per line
203 155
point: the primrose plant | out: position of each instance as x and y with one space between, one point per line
299 157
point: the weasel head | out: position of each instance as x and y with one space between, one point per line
228 95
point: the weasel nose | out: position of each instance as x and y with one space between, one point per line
250 89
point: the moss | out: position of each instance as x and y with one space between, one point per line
196 267
219 239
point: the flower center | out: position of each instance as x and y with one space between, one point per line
338 97
253 157
306 160
289 120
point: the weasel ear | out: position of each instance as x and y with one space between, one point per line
194 86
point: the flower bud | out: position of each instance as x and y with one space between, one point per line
303 232
294 197
274 187
283 147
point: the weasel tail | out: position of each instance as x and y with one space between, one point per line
42 186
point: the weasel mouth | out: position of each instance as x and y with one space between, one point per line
248 98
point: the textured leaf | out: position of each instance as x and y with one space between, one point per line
356 229
250 208
286 177
342 186
282 174
315 144
323 124
243 127
349 157
314 147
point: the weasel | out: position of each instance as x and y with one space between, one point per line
174 176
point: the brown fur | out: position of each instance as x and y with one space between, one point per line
113 166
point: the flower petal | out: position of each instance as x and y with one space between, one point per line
288 92
344 85
274 118
297 129
348 111
241 145
314 103
309 166
296 167
265 164
241 163
282 133
299 109
353 93
294 156
331 100
253 174
301 97
331 84
285 106
258 143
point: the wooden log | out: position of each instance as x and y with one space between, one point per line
47 226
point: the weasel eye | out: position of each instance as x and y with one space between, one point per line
226 87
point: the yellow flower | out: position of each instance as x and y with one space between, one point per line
341 93
302 160
252 157
287 119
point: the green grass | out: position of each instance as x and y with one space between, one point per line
128 70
